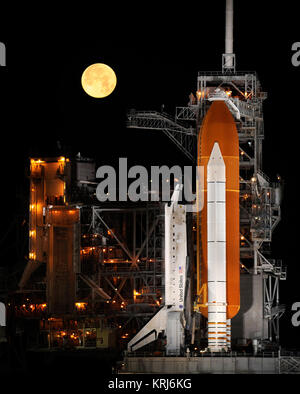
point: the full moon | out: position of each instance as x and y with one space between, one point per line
98 80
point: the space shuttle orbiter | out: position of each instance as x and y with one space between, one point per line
169 319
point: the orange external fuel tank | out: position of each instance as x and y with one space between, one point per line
219 126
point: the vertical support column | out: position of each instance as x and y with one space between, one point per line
270 300
228 56
255 251
134 235
277 304
229 31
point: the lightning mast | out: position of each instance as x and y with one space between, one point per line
228 63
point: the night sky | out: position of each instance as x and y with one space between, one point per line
156 54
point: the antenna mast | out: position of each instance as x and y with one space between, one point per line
228 58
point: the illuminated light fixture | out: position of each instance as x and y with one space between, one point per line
200 94
32 256
80 305
38 161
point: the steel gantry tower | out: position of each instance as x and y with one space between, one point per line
258 318
259 197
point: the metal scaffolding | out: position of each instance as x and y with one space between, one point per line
259 198
183 137
127 244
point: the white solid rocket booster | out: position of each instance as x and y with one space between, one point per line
216 250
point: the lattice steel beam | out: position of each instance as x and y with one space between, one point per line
184 138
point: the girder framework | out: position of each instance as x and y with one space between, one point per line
129 259
289 364
183 137
259 198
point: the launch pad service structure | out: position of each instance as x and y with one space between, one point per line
236 295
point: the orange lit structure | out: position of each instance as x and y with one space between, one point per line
63 258
47 186
54 232
66 270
